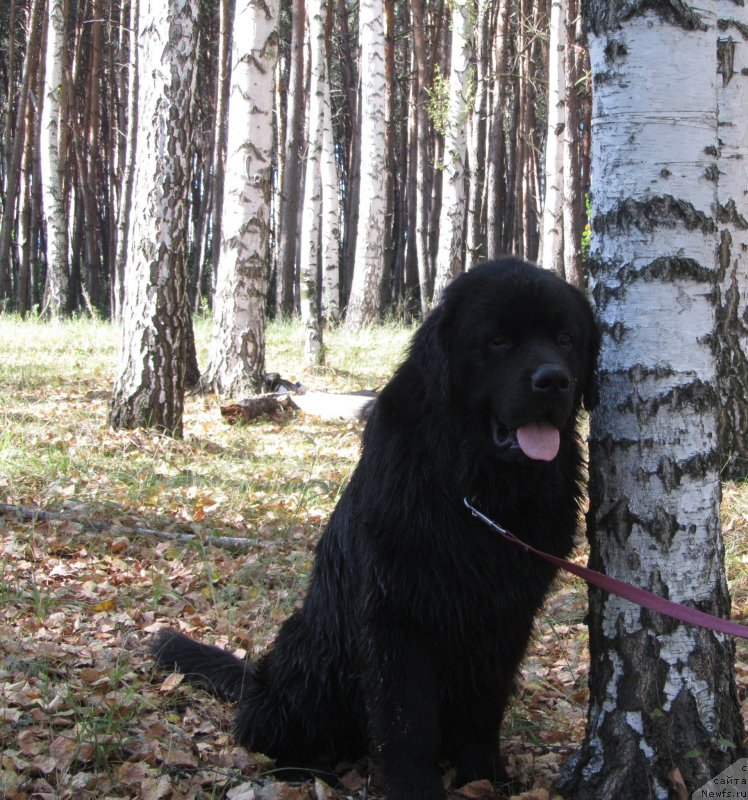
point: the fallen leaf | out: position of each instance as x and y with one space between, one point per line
155 788
170 683
244 791
44 764
321 790
64 751
676 779
179 758
477 790
132 773
106 605
90 675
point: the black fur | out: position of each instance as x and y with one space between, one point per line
417 616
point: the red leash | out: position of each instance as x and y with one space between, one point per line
632 593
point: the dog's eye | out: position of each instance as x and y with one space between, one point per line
499 341
566 340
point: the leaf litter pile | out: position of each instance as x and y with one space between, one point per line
82 712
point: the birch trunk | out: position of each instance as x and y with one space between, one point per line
552 237
237 351
219 133
572 178
663 701
149 390
330 215
732 165
53 146
123 218
311 223
423 185
352 145
389 281
450 252
475 249
368 270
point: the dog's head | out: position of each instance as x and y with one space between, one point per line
513 350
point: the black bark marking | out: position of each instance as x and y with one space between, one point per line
732 362
723 24
603 16
725 57
664 211
728 214
665 269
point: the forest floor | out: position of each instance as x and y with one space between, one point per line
83 713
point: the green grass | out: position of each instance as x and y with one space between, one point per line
55 381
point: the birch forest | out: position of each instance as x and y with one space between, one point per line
402 142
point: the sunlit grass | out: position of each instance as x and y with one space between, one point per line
56 448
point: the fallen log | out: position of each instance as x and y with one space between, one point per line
357 405
276 405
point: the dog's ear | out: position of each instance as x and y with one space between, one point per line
430 353
591 395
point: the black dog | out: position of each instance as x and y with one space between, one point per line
417 615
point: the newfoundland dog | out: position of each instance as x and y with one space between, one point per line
417 615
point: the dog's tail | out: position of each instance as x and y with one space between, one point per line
209 667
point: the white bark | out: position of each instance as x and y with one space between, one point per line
237 350
149 390
475 249
552 235
53 146
330 218
572 178
312 206
368 270
654 474
732 96
450 255
128 172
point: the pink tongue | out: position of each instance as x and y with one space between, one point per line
539 440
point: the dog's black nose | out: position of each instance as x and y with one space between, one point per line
551 378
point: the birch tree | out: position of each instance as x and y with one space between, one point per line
330 177
552 235
131 137
572 179
311 227
368 270
54 147
732 166
149 390
450 252
237 350
421 167
219 130
663 701
475 250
